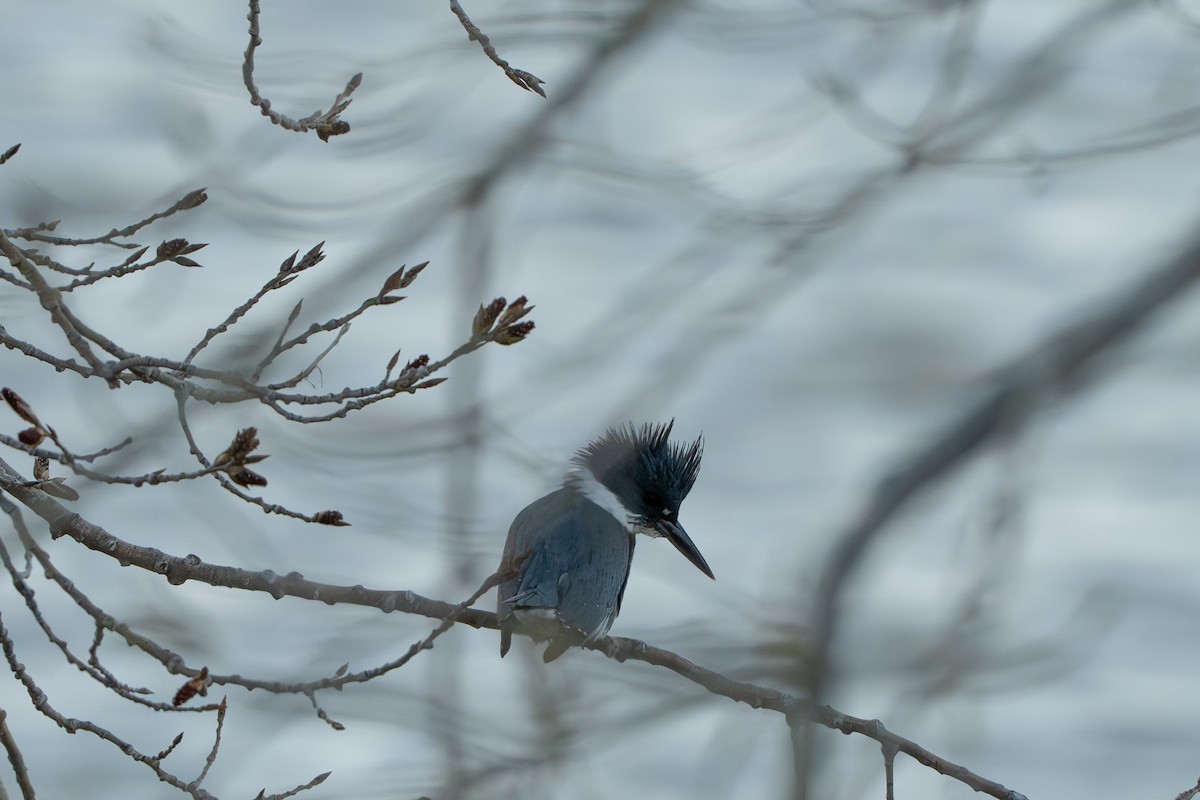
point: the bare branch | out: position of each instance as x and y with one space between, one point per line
103 677
62 365
171 661
317 781
10 746
342 677
52 302
325 123
178 570
212 754
526 80
1188 794
191 200
72 462
217 471
287 273
41 702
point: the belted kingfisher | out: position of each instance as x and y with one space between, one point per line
569 552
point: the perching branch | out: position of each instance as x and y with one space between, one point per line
179 570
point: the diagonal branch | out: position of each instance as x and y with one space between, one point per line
190 200
526 80
15 758
1056 365
178 570
51 300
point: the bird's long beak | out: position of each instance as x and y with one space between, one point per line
676 535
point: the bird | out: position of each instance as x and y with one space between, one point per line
567 556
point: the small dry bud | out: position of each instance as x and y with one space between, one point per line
333 129
196 686
41 468
392 362
171 248
417 363
177 250
245 477
162 754
330 518
243 444
486 316
527 81
134 256
516 309
193 199
513 333
313 257
31 437
412 274
393 282
19 406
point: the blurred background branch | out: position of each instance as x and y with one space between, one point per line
809 229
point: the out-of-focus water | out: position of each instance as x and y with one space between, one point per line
719 228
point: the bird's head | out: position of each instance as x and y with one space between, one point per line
649 476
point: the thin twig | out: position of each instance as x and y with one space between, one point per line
119 271
170 660
325 123
60 364
226 484
15 758
304 787
190 200
98 674
52 302
342 679
1188 794
41 702
212 754
526 80
287 273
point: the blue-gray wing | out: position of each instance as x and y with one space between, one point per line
573 558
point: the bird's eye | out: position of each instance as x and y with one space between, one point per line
666 512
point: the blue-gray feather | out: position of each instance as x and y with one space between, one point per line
567 555
576 566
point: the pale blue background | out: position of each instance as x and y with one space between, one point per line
673 227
